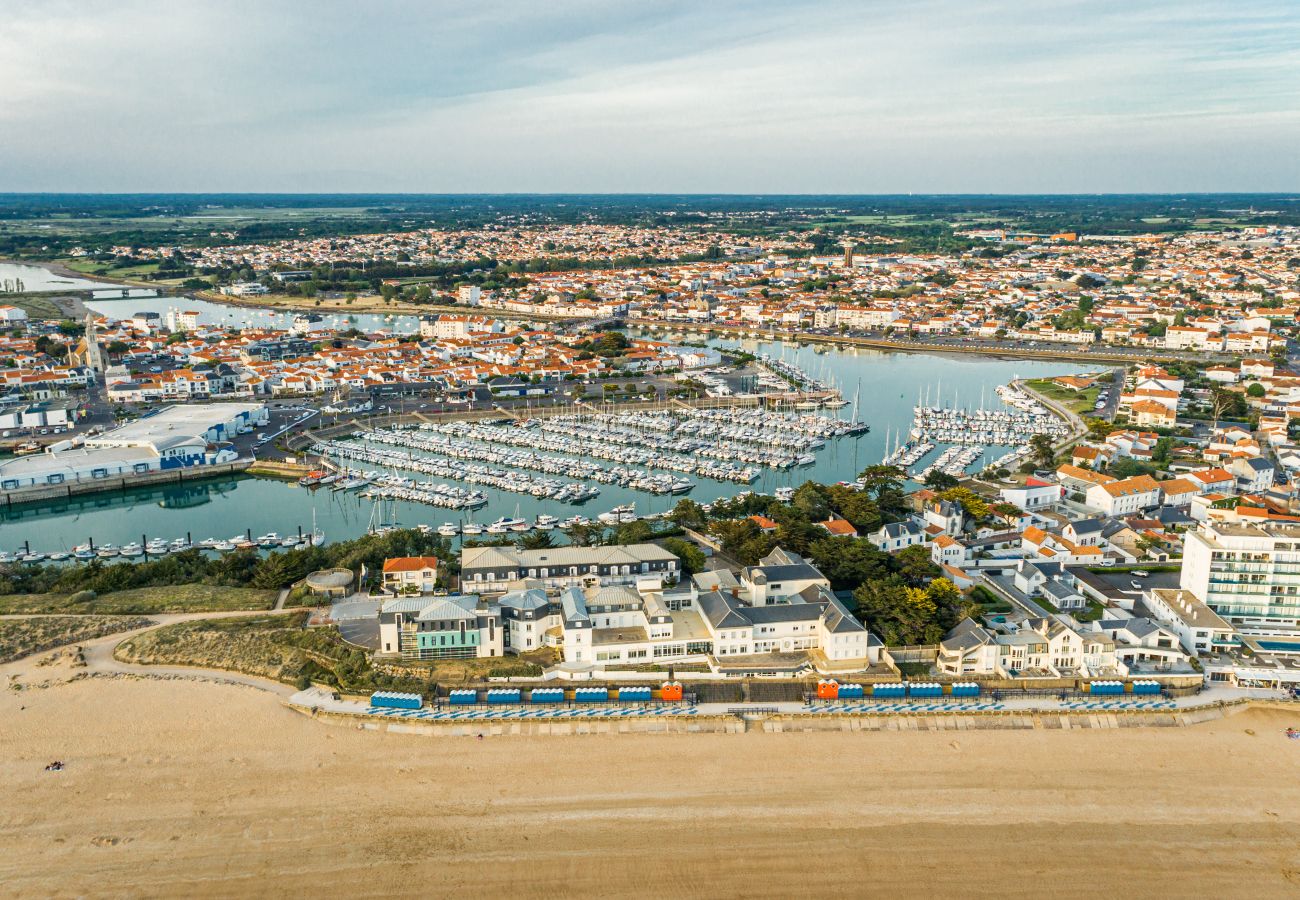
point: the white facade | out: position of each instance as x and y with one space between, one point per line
1248 574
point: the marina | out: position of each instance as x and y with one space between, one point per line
824 445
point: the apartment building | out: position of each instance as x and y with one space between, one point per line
451 627
1249 574
494 569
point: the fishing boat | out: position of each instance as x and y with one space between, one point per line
546 522
311 478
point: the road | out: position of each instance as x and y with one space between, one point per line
99 658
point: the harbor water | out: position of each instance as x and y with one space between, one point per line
223 508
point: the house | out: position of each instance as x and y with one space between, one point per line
1124 497
1178 491
1043 647
1036 494
897 536
945 516
1092 457
1152 414
948 551
1253 474
1200 630
1076 481
765 525
410 574
779 576
839 527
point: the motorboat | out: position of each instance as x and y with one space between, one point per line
471 529
448 529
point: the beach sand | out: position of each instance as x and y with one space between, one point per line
184 788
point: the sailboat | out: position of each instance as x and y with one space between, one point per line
317 536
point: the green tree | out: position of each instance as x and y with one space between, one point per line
536 540
692 557
884 485
848 562
940 481
914 566
1043 451
1255 390
975 506
688 514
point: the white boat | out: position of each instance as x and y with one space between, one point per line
546 522
132 550
84 554
471 529
107 551
448 529
269 540
223 546
58 556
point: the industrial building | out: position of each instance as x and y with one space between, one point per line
173 438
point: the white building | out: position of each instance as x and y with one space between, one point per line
12 315
1248 574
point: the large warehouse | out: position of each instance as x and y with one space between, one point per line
175 437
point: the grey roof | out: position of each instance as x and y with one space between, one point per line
715 580
899 529
722 611
1087 526
458 606
531 598
575 607
1059 590
552 557
800 572
966 635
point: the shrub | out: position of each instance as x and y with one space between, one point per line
81 597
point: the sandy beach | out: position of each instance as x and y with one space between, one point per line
187 788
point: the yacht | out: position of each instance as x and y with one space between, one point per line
785 494
107 551
269 540
546 522
448 529
471 529
58 556
223 546
84 553
132 550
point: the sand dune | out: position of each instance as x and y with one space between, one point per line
181 788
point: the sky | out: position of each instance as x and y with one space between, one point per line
672 96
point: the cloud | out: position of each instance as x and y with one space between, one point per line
585 95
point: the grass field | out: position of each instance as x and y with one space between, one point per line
144 601
276 646
460 671
35 306
1075 401
22 637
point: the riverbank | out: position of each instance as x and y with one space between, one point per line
150 803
